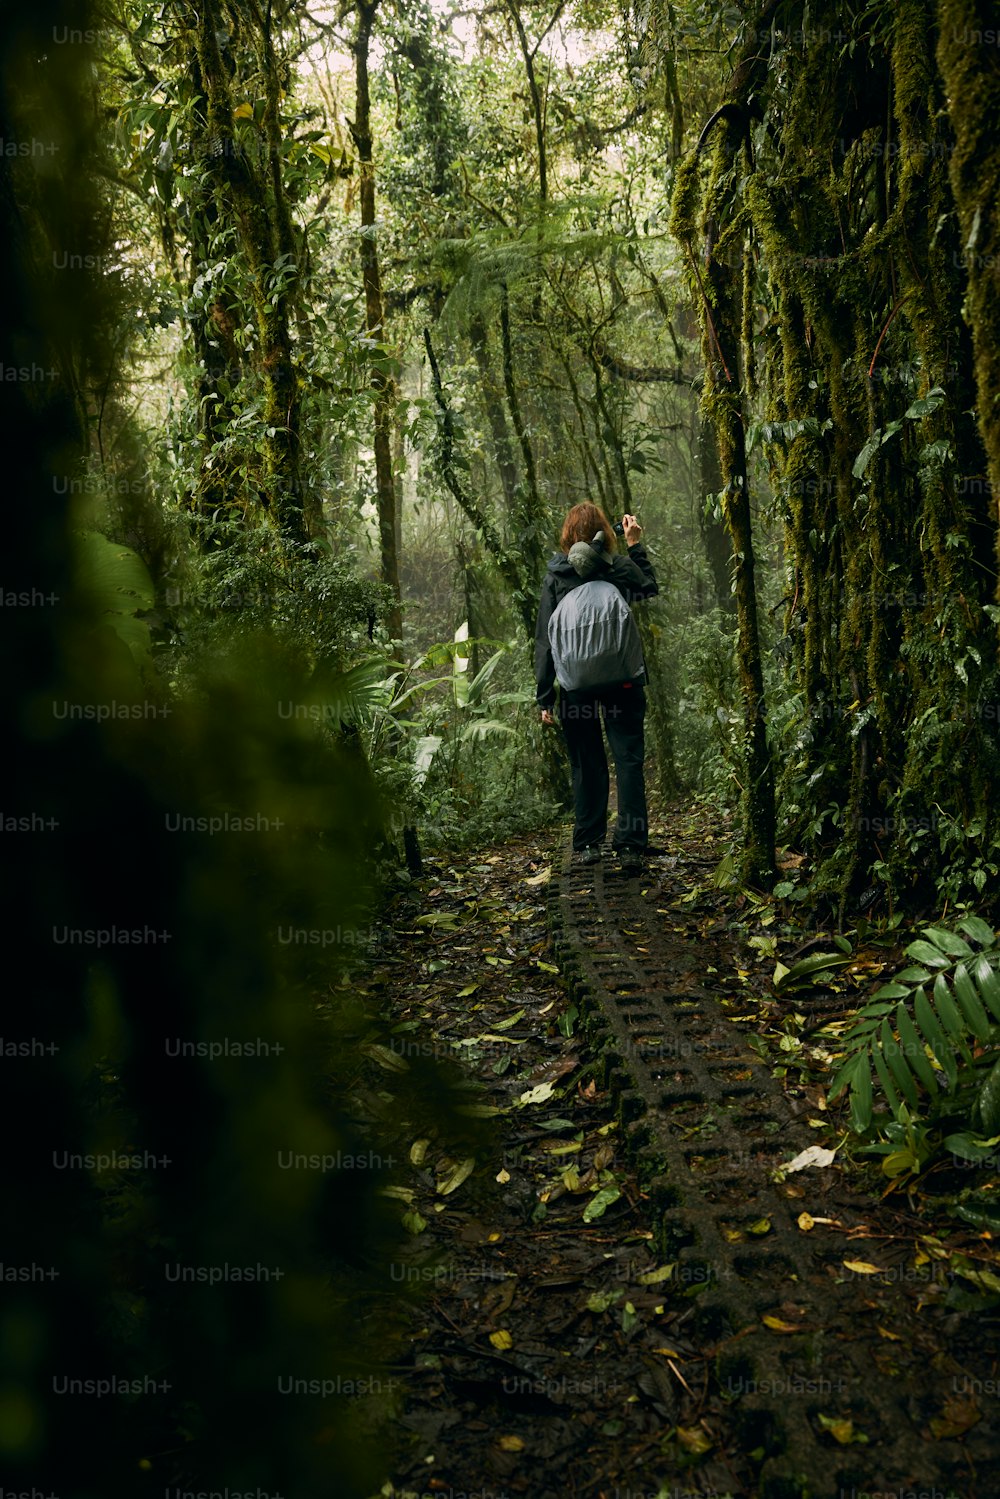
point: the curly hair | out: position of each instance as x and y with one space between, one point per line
580 525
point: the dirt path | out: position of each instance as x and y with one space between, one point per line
618 1298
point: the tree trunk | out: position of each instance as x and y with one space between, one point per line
972 90
718 552
238 181
721 313
382 384
502 451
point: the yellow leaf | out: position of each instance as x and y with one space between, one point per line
418 1150
512 1444
776 1325
883 1332
243 112
540 879
503 1177
693 1439
654 1277
862 1267
806 1222
841 1431
501 1339
762 1226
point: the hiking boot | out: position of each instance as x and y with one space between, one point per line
591 854
631 861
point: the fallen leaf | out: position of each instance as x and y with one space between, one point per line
693 1439
653 1277
776 1325
862 1267
536 1095
501 1339
505 1025
503 1177
599 1301
841 1430
806 1222
958 1417
457 1176
599 1204
813 1155
512 1444
540 879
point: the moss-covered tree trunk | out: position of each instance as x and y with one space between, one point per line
720 283
382 383
970 71
718 552
244 190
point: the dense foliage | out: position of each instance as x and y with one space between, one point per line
328 316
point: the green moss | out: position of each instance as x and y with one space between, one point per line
972 86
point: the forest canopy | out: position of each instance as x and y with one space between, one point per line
318 320
394 286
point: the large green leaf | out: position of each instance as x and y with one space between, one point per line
971 1004
914 1049
885 1081
954 946
928 1022
116 585
898 1065
861 1094
460 668
423 758
989 984
113 573
925 952
989 1100
808 968
950 1016
484 728
978 930
481 680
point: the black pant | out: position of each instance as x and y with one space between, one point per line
623 710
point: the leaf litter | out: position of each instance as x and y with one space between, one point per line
594 1379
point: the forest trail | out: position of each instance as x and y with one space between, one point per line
709 1329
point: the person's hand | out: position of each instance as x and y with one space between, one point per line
633 530
548 717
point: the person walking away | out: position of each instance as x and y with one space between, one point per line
588 646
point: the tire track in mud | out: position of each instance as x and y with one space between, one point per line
800 1341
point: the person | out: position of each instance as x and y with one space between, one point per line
621 705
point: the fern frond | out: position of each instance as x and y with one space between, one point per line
938 1051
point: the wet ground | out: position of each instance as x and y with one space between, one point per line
624 1291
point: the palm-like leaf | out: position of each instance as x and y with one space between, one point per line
942 1047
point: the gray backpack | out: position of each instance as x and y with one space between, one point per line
594 639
